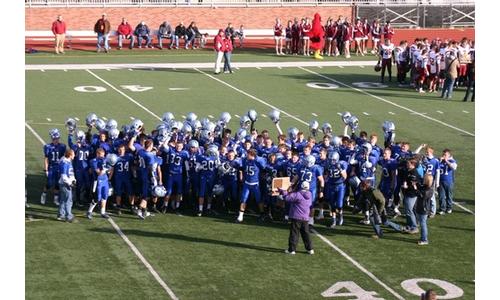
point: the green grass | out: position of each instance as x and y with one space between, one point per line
210 257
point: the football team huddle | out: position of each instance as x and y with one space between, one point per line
211 167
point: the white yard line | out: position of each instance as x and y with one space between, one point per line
464 111
391 113
388 102
173 66
251 96
127 241
314 114
49 119
464 208
439 112
365 113
143 260
358 265
125 95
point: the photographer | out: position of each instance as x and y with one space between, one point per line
410 180
300 203
66 183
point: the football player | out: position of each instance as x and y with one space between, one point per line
447 168
250 169
178 163
100 188
431 167
388 181
336 173
386 54
52 152
81 164
311 173
122 177
146 173
229 180
207 165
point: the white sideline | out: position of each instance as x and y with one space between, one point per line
125 95
251 96
148 66
359 266
355 263
388 102
143 260
124 237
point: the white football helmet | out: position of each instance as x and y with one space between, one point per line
193 144
186 128
326 128
113 133
367 148
245 122
313 127
204 122
292 133
80 135
218 189
177 125
345 117
196 126
212 150
90 119
70 125
354 182
159 191
100 125
111 124
111 159
224 118
168 117
54 133
388 126
163 135
252 115
241 134
274 115
334 157
309 161
336 141
137 125
191 116
353 122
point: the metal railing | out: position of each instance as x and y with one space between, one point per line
152 3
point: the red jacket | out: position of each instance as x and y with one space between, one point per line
388 32
228 46
58 27
219 43
124 29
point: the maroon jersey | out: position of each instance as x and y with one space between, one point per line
347 33
296 30
278 30
376 31
306 28
388 32
358 30
366 28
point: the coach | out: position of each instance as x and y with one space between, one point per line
300 203
59 31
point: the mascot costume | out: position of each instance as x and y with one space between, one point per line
316 35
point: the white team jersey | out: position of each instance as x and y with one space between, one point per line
415 56
422 62
434 62
387 51
400 55
442 55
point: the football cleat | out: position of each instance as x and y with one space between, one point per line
289 252
310 252
89 215
43 198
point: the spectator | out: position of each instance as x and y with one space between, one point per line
305 36
59 31
359 34
288 37
447 168
471 75
388 31
451 73
180 32
66 182
230 32
102 28
366 30
376 32
192 32
423 207
241 35
347 38
430 294
228 49
219 49
125 32
278 37
164 32
300 203
409 187
142 32
295 36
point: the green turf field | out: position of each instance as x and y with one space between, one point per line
211 257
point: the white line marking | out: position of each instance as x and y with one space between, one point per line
49 119
65 70
183 116
391 113
365 113
132 118
34 133
362 67
341 67
178 89
263 115
279 68
465 111
104 118
464 208
258 68
314 114
130 69
127 241
389 102
108 69
340 114
359 266
42 70
77 119
210 116
125 95
143 260
320 67
251 96
417 113
237 116
439 112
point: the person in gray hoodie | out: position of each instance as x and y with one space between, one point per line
300 203
164 32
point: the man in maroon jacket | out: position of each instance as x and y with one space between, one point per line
125 32
59 31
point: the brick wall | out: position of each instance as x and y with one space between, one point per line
209 18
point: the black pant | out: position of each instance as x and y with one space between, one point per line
295 227
386 64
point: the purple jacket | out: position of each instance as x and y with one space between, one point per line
300 203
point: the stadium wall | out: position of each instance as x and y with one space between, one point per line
205 17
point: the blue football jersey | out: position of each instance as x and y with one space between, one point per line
251 169
54 153
310 174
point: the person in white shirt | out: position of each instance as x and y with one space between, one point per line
387 56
